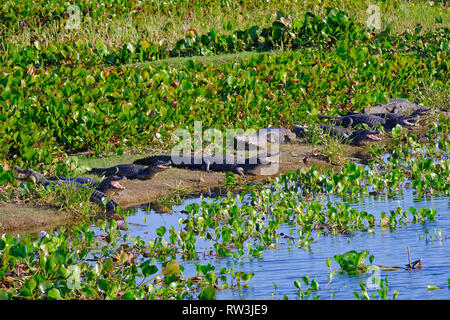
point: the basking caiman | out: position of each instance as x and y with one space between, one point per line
398 105
371 120
109 183
211 163
132 171
98 195
263 137
353 137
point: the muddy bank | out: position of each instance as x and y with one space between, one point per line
299 154
292 156
16 219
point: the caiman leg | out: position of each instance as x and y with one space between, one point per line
240 171
207 166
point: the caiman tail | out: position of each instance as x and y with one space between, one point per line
97 196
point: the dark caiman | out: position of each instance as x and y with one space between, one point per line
354 137
98 195
133 171
371 120
107 184
211 163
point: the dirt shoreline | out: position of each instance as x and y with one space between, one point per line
19 218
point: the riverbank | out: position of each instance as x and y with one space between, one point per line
27 217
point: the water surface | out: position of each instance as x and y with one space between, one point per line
280 267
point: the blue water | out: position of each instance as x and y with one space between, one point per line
280 267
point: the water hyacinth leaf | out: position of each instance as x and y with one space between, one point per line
103 285
207 293
172 268
148 269
54 294
247 276
5 294
108 265
19 251
90 80
305 279
161 231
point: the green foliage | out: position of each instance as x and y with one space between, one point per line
352 261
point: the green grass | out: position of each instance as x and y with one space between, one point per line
213 59
156 26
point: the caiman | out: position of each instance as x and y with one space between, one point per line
353 137
107 184
263 137
400 118
98 195
132 171
211 163
371 120
398 105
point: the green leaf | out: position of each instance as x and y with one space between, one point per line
314 284
161 231
172 268
108 265
103 285
18 250
90 80
4 295
148 269
305 280
54 294
207 293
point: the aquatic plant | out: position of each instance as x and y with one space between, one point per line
352 261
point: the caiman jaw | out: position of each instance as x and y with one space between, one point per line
407 123
373 137
117 185
164 165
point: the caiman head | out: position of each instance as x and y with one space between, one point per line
299 131
407 122
110 183
362 135
403 121
150 171
38 177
